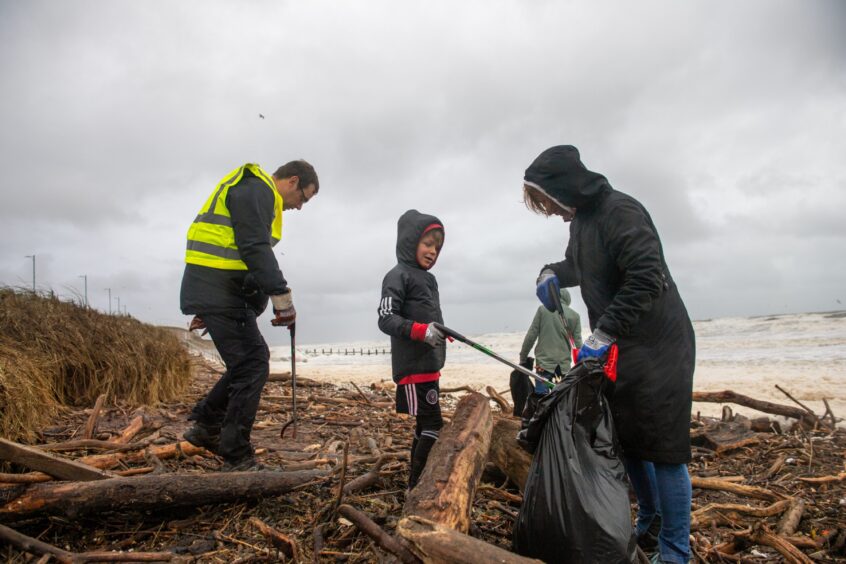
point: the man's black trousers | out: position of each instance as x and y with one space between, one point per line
232 403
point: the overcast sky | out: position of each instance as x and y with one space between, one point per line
727 120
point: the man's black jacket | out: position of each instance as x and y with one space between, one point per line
229 292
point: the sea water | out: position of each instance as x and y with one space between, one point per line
805 354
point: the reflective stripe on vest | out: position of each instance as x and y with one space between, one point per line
211 239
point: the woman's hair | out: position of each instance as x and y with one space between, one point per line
539 202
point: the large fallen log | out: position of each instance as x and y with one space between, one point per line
150 492
506 454
438 544
728 396
447 486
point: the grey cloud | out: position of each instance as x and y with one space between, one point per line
725 120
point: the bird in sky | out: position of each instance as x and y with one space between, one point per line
261 116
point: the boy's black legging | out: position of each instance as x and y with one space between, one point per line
425 434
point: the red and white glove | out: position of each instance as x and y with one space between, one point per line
283 309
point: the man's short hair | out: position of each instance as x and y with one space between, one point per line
301 169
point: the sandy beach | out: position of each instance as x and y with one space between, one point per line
807 389
805 354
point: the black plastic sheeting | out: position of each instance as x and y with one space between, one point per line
576 500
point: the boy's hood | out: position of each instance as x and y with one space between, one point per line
410 228
565 296
560 173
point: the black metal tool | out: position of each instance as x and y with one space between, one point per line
293 420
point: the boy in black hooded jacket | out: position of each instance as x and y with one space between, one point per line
409 305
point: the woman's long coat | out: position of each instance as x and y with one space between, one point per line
615 256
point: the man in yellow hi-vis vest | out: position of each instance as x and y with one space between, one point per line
230 275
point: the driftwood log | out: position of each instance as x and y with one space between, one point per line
150 492
730 513
162 452
503 404
437 544
35 546
447 486
279 540
739 489
724 436
53 465
790 522
375 532
138 423
506 454
728 396
104 461
93 419
758 534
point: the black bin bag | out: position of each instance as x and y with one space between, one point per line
521 387
576 500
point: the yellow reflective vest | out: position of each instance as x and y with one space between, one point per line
211 239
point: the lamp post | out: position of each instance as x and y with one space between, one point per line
110 300
118 301
85 278
33 271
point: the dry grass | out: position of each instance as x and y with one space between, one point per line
55 354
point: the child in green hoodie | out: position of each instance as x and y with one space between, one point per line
555 341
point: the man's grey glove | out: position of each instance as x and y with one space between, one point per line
283 309
433 337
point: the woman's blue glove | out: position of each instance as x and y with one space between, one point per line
596 345
547 283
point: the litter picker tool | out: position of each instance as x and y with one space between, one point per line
556 300
293 420
481 348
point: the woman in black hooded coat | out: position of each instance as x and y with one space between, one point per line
615 256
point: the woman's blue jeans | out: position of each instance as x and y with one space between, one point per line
663 489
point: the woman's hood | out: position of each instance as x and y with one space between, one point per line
410 228
559 172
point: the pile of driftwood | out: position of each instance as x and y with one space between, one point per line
111 484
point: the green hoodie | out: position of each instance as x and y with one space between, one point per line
553 347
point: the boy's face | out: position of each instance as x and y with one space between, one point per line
428 249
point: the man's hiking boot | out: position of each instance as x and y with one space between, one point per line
203 437
248 464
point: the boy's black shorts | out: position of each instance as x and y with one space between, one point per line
421 399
